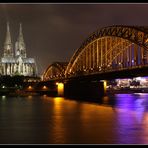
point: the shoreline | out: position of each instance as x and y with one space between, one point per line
16 92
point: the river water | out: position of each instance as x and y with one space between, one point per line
118 119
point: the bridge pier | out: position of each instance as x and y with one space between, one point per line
84 89
60 89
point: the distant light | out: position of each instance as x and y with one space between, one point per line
29 87
57 83
139 78
3 97
141 94
44 96
3 86
44 87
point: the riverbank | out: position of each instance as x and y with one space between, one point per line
12 92
23 92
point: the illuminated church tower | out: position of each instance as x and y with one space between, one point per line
8 48
20 49
18 63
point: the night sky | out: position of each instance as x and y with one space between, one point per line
52 32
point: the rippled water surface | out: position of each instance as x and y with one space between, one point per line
118 119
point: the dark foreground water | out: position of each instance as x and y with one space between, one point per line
120 119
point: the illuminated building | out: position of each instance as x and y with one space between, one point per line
16 63
137 82
123 83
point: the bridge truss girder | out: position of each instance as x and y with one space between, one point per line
107 54
111 48
54 71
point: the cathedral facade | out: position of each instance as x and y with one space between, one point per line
15 61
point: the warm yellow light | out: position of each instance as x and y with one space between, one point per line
60 89
58 101
105 85
57 83
44 87
29 87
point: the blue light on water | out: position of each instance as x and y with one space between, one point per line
131 117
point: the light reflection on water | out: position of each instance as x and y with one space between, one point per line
132 118
116 119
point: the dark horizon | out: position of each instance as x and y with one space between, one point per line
52 32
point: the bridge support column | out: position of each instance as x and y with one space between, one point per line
60 89
104 86
84 89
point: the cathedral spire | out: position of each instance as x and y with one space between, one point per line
20 49
8 45
8 36
20 38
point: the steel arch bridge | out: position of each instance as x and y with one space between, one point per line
55 70
110 49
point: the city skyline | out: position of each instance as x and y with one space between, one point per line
53 32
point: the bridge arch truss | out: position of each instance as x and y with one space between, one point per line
54 71
110 49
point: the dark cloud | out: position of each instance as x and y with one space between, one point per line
53 32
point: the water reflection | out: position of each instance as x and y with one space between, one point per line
131 118
96 121
3 98
109 100
106 100
58 126
61 109
29 97
116 119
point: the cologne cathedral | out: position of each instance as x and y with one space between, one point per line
15 62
